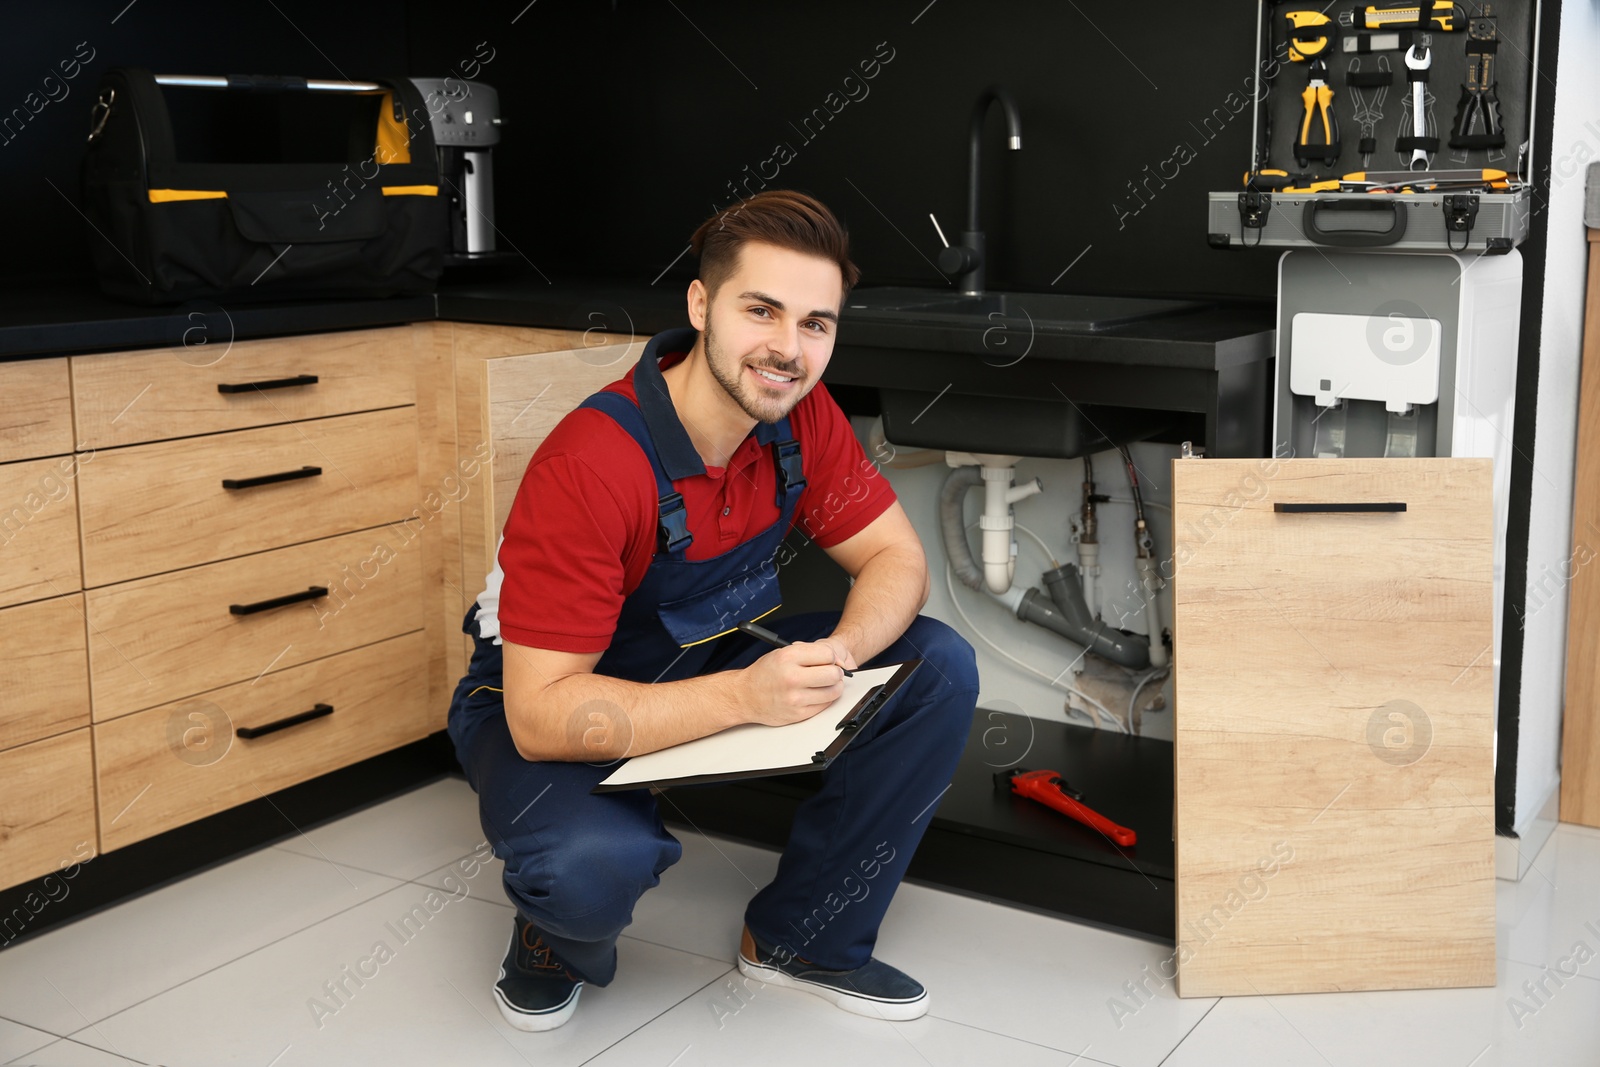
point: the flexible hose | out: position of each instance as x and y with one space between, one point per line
952 528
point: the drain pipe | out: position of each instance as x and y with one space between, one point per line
995 474
999 546
1073 621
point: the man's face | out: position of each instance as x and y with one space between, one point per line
778 312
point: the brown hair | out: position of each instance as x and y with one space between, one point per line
780 217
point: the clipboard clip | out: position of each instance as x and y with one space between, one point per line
858 717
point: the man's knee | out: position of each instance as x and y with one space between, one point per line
585 886
945 649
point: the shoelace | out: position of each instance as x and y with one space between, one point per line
540 955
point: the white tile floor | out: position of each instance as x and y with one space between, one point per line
227 965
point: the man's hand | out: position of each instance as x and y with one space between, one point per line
792 684
841 652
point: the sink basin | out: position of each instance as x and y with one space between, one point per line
1067 312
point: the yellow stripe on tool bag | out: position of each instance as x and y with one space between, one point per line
163 196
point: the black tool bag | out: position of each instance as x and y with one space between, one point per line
261 188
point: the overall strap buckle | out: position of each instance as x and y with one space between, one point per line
672 535
790 478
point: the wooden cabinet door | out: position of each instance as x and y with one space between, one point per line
1334 708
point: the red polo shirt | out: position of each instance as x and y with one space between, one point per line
582 529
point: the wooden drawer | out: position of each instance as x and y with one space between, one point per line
172 764
127 398
155 508
36 418
39 530
1334 726
44 671
158 639
46 805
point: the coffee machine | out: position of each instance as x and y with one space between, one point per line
465 116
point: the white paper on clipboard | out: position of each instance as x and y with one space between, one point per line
751 748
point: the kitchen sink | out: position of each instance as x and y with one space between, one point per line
1055 312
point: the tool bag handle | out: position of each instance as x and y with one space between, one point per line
1356 238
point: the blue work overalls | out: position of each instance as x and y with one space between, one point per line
576 862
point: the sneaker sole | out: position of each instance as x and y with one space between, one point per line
856 1003
533 1022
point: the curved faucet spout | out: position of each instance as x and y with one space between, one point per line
980 109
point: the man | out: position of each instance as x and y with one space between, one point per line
646 528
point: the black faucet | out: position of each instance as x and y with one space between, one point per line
964 261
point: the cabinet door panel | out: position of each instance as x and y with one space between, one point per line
1334 725
46 806
36 418
44 673
39 529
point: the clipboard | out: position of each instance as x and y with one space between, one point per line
752 750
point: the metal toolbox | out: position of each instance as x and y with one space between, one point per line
1492 222
1452 168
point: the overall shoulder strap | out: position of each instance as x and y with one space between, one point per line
672 531
786 457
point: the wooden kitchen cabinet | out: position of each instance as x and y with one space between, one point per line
1334 730
1580 715
253 543
422 434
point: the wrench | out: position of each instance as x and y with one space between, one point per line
1419 57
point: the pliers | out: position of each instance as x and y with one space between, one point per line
1318 98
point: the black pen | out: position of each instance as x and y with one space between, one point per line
761 633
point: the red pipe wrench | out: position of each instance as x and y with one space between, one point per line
1052 790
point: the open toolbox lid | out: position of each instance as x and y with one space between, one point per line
1341 153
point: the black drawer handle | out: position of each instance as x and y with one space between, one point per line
268 479
278 601
270 383
317 712
1365 506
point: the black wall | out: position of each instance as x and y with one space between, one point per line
628 120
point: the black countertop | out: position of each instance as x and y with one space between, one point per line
57 318
1210 338
60 318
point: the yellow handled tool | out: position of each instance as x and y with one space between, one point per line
1318 100
1441 14
1303 46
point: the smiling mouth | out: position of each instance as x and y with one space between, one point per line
777 379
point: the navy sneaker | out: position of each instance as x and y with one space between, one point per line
874 989
535 990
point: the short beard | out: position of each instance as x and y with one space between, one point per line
731 378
